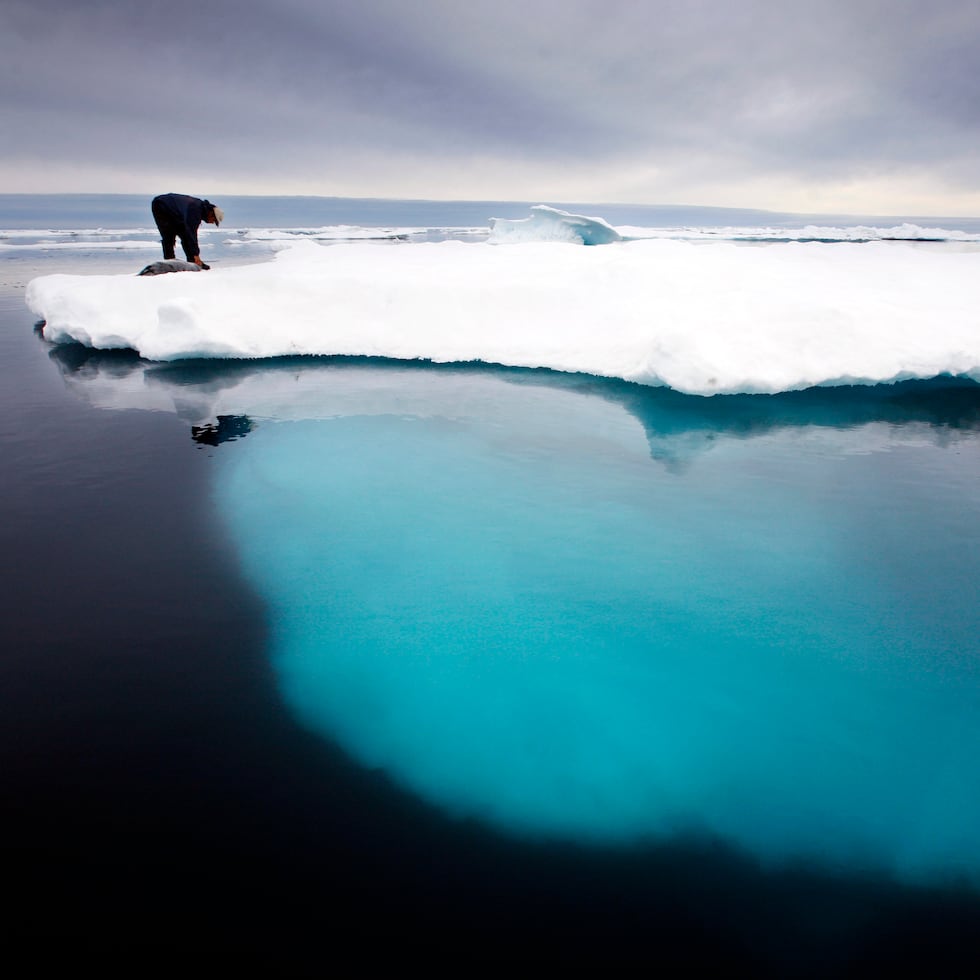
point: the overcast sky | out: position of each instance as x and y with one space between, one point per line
860 106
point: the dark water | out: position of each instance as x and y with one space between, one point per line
158 794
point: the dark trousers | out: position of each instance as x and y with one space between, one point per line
166 227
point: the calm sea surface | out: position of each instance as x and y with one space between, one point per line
321 657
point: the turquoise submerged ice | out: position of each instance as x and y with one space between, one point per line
525 617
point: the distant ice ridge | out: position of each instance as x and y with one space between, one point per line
701 318
544 224
329 233
806 233
551 225
74 242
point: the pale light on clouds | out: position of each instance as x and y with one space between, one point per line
861 106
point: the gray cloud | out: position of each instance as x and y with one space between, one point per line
706 89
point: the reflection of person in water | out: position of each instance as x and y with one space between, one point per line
228 427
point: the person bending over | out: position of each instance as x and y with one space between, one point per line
178 216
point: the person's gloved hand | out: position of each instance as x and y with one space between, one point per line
204 265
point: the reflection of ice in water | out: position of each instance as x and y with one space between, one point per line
677 426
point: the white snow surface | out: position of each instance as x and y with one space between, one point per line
703 318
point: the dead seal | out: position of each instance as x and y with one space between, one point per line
170 265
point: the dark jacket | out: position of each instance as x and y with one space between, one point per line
180 215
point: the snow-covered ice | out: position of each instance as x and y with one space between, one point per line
703 317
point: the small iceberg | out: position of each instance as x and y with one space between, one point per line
551 225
